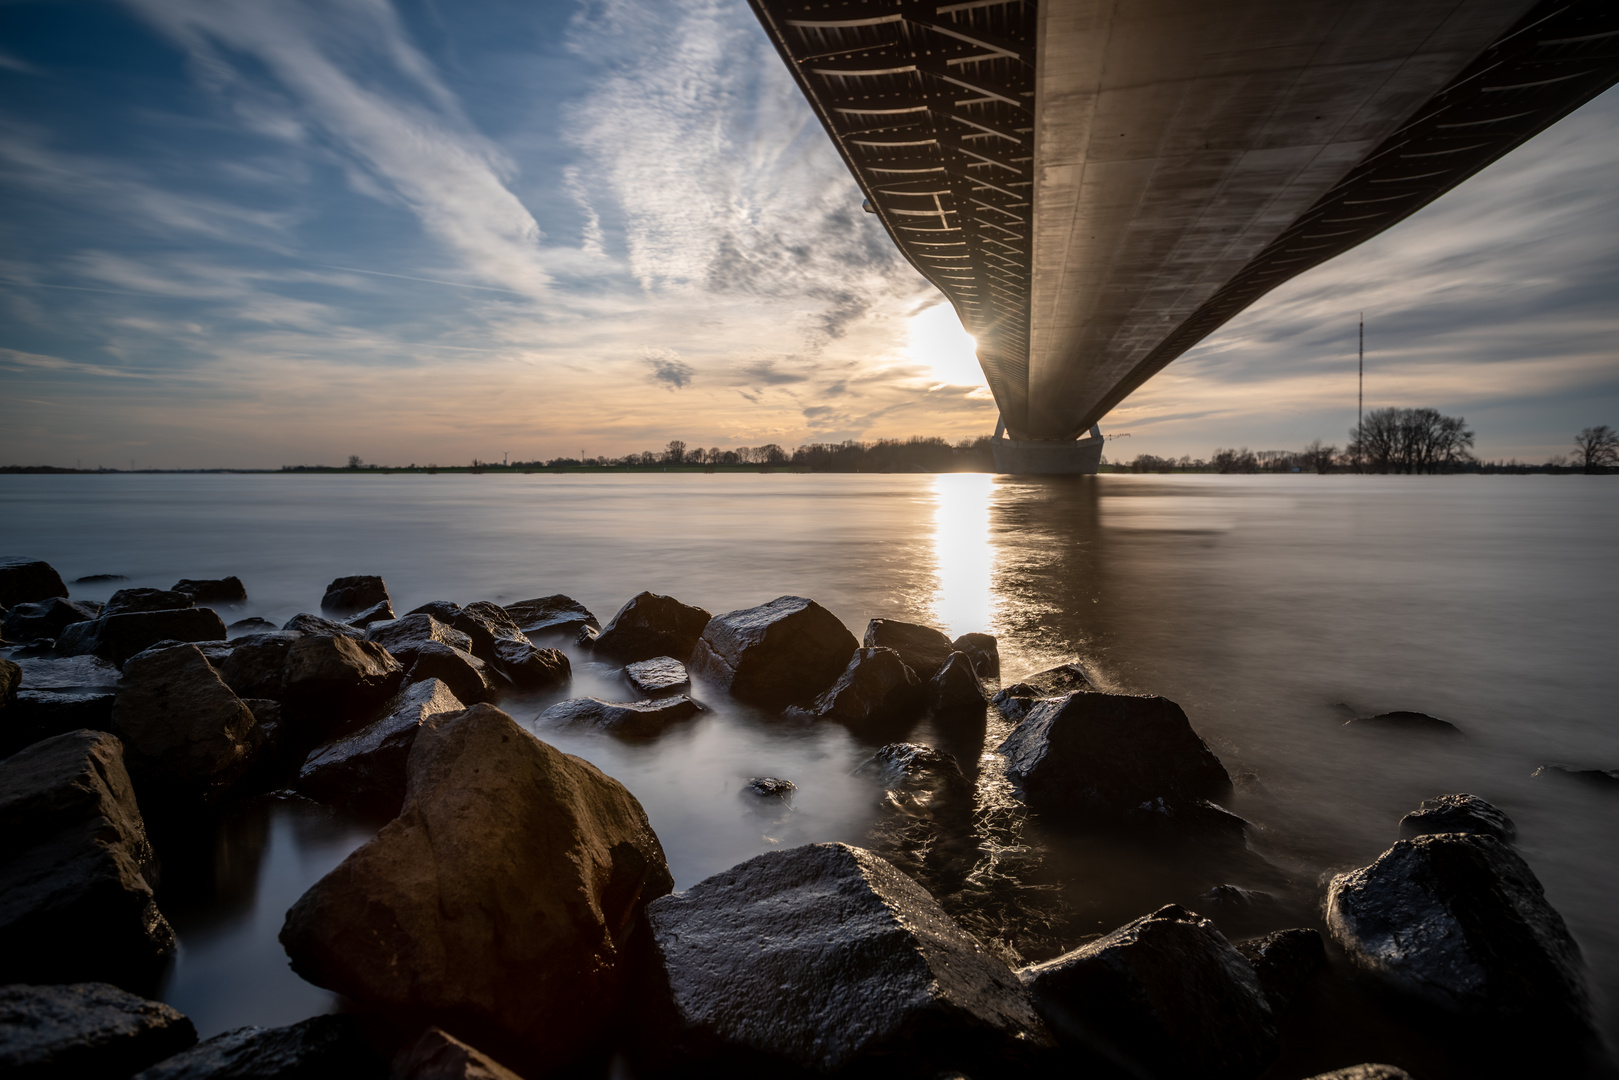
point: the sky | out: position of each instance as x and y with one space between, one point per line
242 235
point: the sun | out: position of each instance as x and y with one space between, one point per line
939 343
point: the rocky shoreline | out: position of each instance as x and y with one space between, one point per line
515 916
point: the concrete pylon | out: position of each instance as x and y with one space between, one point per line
1046 458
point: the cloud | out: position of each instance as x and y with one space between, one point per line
669 371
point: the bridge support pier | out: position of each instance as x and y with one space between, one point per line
1046 458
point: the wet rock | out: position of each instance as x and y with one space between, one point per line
98 579
1608 778
1016 701
40 714
1403 720
499 903
923 648
925 821
823 958
771 787
10 679
444 611
256 666
1368 1071
89 1031
119 637
556 614
351 595
334 682
1094 755
1241 911
76 868
379 612
68 673
127 601
1460 921
314 625
253 625
229 590
660 675
984 651
876 688
322 1046
277 755
586 637
189 737
955 690
438 1055
632 719
651 625
1284 961
468 678
485 624
1165 995
27 581
45 619
367 769
772 655
1458 813
404 637
531 668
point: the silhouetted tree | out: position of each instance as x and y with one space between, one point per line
1318 457
1411 441
1597 448
1234 461
354 461
675 452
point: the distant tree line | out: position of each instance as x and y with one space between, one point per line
917 454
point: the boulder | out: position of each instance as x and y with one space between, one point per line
1458 813
90 1031
405 636
660 675
1094 755
379 612
984 651
332 683
1237 910
40 714
923 648
468 678
438 1055
772 787
875 689
499 903
1284 960
651 625
277 755
350 595
228 590
256 666
1460 921
10 680
1368 1071
367 769
825 958
126 601
485 623
772 655
305 623
189 737
322 1046
98 579
955 690
1602 778
45 619
531 668
76 868
1405 720
27 581
924 824
556 614
119 637
1165 995
631 719
68 673
1018 700
444 611
252 625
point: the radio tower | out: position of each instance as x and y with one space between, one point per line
1360 392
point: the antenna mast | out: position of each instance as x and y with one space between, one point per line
1360 393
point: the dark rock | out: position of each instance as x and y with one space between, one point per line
228 590
10 679
660 675
772 655
923 648
1368 1071
468 678
925 818
651 625
256 666
875 689
586 637
45 619
1165 995
1241 911
825 957
127 601
277 755
499 903
633 719
771 787
1599 777
76 868
1402 720
955 690
382 612
350 595
320 1047
1284 961
485 624
40 714
984 651
119 637
332 683
189 737
305 623
1018 700
252 625
367 769
1458 813
88 1031
215 652
438 1055
97 579
27 581
531 668
552 615
444 611
69 673
1111 756
405 636
1460 921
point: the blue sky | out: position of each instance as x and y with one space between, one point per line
249 234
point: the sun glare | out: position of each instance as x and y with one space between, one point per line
939 342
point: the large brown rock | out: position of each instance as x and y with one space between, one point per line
189 737
367 769
119 637
501 901
530 668
983 650
76 868
86 1031
404 637
485 624
649 625
468 677
332 683
25 581
256 666
556 614
630 719
955 690
1019 699
775 654
923 648
876 688
349 595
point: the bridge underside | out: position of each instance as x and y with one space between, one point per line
1098 186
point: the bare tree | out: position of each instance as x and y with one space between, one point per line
1318 457
354 461
1411 441
1234 461
1597 448
675 452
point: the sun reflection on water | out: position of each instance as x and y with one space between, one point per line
962 554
